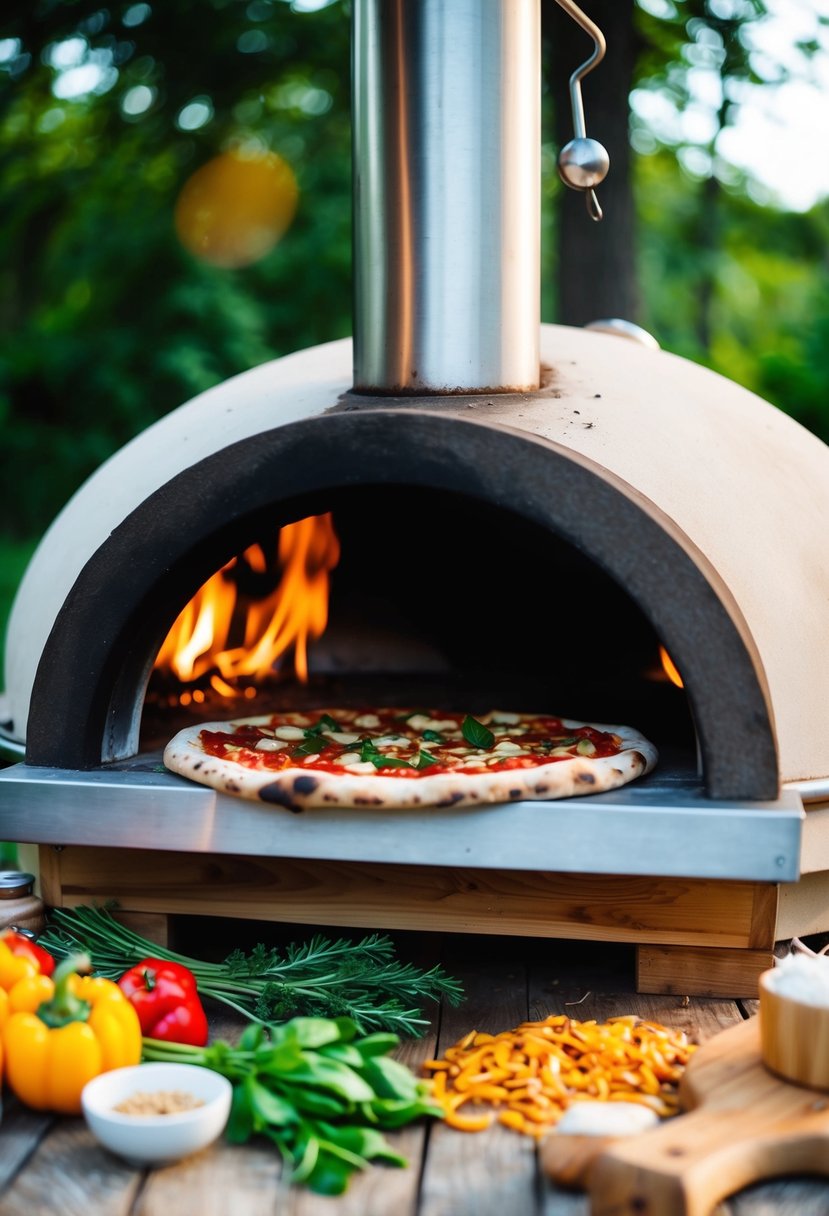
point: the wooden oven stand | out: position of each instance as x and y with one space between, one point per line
695 937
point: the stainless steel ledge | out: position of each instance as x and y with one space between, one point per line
661 826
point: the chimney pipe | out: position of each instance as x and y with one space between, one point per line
447 146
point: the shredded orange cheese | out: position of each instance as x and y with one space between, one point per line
531 1074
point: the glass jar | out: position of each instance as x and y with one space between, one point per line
19 906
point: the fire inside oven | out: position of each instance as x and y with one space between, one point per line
408 597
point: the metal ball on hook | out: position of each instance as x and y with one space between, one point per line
583 163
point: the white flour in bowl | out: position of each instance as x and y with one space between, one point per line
802 977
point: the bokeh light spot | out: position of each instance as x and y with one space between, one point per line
136 14
195 114
252 42
233 210
137 100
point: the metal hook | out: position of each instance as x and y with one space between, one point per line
583 162
594 209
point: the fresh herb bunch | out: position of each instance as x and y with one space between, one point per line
317 1091
360 980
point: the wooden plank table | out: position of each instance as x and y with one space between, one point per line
52 1167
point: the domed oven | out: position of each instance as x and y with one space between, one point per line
516 516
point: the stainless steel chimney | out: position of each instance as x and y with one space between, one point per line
447 140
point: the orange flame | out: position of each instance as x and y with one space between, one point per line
296 610
669 668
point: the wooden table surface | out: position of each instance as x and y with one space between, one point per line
52 1167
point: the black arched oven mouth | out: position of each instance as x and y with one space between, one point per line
531 572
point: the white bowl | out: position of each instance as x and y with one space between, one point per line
156 1139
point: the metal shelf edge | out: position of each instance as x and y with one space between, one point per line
622 832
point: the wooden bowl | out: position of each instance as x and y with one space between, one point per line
794 1037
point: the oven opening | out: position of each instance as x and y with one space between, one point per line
413 597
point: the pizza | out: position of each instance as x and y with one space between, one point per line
384 757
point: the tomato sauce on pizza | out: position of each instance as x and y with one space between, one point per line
411 743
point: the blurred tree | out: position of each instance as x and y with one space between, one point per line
702 51
104 115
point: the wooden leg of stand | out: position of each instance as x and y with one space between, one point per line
700 971
155 926
51 886
691 970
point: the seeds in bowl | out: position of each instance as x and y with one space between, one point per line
161 1102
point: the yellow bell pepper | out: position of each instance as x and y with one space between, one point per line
85 1027
27 995
14 967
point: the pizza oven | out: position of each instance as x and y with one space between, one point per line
517 516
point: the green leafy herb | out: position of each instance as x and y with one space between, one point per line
476 733
381 761
367 748
433 736
370 753
326 722
424 760
320 1093
362 980
309 746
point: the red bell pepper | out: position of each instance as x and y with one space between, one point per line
165 997
25 947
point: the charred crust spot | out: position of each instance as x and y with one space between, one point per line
515 793
305 785
329 797
617 772
541 789
639 758
231 787
367 801
586 778
197 765
276 793
451 800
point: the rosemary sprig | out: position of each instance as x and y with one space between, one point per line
321 977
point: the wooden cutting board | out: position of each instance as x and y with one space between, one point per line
744 1125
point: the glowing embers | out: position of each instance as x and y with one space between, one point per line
234 633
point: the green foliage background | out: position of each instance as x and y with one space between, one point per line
107 323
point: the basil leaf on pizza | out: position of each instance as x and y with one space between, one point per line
375 757
476 733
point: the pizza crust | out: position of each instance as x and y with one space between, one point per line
299 788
